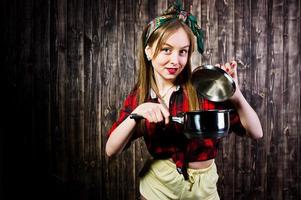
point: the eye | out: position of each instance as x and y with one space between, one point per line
183 52
166 50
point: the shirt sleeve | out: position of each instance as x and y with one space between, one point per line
129 105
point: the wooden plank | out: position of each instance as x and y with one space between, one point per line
196 11
209 16
298 127
256 91
275 100
96 163
75 87
88 73
291 97
59 149
125 74
108 98
90 173
100 16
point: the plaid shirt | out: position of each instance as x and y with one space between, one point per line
168 141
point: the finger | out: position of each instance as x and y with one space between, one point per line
233 64
165 113
166 117
154 116
158 115
228 68
149 117
227 65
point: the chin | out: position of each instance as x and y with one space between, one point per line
170 77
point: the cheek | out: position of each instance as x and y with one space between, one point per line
183 61
180 71
161 60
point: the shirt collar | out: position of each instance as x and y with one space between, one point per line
153 94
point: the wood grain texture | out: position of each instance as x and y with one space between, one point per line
70 64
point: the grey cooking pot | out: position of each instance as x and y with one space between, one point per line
202 124
213 83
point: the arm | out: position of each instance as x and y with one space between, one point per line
120 137
247 115
153 112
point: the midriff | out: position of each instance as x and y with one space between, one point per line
200 164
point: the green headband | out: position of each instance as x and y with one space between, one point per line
175 11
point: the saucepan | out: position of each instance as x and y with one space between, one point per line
202 124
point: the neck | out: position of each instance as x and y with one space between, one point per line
165 89
163 84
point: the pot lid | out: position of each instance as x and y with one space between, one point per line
213 83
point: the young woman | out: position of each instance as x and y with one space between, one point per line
182 168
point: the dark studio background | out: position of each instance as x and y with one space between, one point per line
66 67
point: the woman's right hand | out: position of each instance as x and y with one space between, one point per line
153 112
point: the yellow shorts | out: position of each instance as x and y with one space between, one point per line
162 181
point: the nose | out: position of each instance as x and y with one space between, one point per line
174 58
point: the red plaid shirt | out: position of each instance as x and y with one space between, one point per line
168 141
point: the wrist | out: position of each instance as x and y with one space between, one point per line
135 117
236 98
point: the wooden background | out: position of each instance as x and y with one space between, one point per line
68 65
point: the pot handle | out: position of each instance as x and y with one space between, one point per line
179 120
136 116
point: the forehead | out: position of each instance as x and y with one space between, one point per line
178 39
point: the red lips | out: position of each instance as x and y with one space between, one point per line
172 70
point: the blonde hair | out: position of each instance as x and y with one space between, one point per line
145 75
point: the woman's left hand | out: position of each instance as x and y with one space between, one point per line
231 69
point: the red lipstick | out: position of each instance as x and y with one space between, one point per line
172 70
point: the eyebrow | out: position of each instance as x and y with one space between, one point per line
172 46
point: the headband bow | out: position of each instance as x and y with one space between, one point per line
175 11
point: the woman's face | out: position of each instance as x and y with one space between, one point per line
172 57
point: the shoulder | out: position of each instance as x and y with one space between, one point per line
133 93
132 98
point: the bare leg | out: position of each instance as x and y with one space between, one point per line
142 198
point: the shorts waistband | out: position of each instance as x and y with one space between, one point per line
190 170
